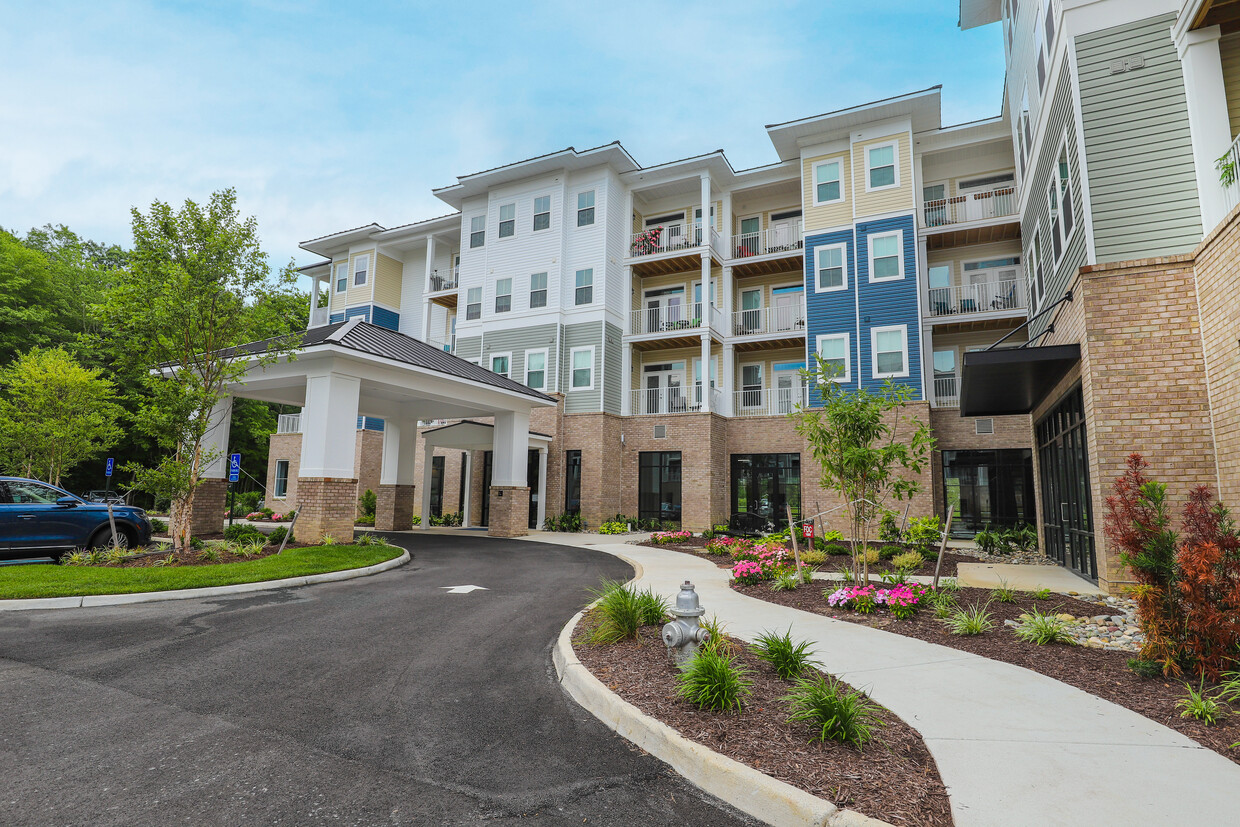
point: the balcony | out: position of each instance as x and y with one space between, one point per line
769 401
680 237
769 321
946 391
673 319
288 424
319 316
966 209
446 346
997 296
442 280
785 238
673 400
1229 164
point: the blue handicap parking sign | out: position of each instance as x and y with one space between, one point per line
234 467
108 469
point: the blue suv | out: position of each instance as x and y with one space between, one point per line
40 520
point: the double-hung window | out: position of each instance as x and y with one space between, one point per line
585 208
830 268
1065 194
833 348
536 369
886 263
477 231
828 183
880 166
281 479
890 347
542 212
503 295
507 220
500 363
538 290
473 303
584 292
582 361
342 277
360 267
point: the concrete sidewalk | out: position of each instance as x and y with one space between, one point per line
1013 747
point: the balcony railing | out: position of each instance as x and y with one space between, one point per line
983 297
673 318
446 346
767 320
670 238
443 280
673 400
319 316
975 206
1231 162
786 238
946 392
769 401
288 424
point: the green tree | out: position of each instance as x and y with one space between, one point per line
55 414
865 445
194 276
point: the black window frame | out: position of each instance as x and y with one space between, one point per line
670 467
572 482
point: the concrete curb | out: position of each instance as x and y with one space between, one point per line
188 594
750 791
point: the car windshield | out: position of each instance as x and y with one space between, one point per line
31 492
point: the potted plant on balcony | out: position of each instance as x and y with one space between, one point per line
647 242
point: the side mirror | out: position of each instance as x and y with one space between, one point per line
67 502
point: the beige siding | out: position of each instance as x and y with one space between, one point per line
955 256
337 299
831 215
362 294
883 201
766 284
388 281
1229 50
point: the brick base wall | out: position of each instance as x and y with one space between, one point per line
208 507
394 507
1217 270
327 505
509 511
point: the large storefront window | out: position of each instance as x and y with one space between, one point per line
764 485
1063 463
658 486
988 488
572 482
437 468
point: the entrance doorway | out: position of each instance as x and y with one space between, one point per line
988 489
658 486
1063 460
531 480
765 485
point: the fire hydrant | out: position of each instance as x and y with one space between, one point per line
683 634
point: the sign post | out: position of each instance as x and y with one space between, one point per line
107 474
234 474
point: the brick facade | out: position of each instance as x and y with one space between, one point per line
394 507
367 465
207 508
328 506
510 511
1217 268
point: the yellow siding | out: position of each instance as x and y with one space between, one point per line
832 215
337 299
1229 51
675 279
887 200
766 284
387 281
361 294
768 359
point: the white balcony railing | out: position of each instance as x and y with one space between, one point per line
446 346
288 424
673 400
673 318
946 392
769 401
982 297
767 320
670 238
1229 166
442 280
975 206
319 316
785 238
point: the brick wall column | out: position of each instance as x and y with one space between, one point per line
394 507
327 505
510 511
206 512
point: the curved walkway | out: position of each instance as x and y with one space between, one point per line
1013 747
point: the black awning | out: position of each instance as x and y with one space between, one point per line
1012 380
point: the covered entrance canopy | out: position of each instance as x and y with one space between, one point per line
1012 380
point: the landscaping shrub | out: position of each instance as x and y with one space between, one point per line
813 558
834 711
1003 593
567 521
653 608
870 556
726 545
158 526
757 563
907 562
1040 594
836 550
1200 706
1043 629
944 604
417 519
889 552
714 681
620 611
788 659
616 528
1145 668
210 552
239 533
888 531
370 540
718 640
667 538
989 542
1022 537
925 534
450 518
974 620
248 548
829 538
786 580
277 537
367 503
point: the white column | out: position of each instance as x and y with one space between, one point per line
628 219
542 486
626 379
511 442
215 440
428 457
706 372
727 380
426 286
467 480
728 289
706 222
400 445
726 235
923 277
329 426
314 300
1206 97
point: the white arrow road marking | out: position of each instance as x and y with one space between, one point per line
464 589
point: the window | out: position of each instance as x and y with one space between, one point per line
536 369
477 231
342 277
1065 193
890 346
538 290
585 208
360 265
1052 214
830 268
584 293
828 183
281 488
767 485
1034 257
437 469
658 486
22 492
886 263
833 348
500 363
572 482
582 359
542 212
880 167
473 303
507 220
503 295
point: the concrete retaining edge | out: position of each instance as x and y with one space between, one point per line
91 600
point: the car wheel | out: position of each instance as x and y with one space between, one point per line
103 538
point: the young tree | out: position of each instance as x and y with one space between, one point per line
194 276
54 413
865 446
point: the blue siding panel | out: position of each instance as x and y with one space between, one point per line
383 317
834 312
335 317
884 304
362 310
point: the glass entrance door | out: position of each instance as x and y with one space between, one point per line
751 313
1063 464
658 486
663 388
787 309
664 310
787 390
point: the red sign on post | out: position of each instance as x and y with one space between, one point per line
807 531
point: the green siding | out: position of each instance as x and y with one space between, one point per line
468 348
583 335
1143 185
516 342
612 370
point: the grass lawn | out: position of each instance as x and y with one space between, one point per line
74 581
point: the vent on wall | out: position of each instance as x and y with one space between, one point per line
983 426
660 432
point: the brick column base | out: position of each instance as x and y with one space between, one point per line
509 511
206 512
325 505
394 507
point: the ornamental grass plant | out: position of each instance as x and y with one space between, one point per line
714 681
789 660
833 710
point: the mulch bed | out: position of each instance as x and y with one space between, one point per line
893 779
1096 671
834 562
194 558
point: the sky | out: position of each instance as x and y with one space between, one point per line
330 115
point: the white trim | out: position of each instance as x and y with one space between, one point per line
572 361
846 376
593 206
342 274
741 386
874 331
494 307
814 182
1086 218
895 164
361 257
869 251
506 354
546 354
843 248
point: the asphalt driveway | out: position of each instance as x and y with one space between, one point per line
383 700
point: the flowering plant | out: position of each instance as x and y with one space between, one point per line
902 599
647 242
748 572
757 563
725 545
664 538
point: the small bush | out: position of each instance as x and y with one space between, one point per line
870 556
210 553
786 580
835 550
76 558
888 531
1145 668
1040 594
1199 706
613 528
158 526
277 537
788 659
417 520
249 548
714 681
1004 594
568 521
974 620
890 552
1022 537
924 534
654 608
367 503
621 611
1043 629
834 711
813 558
909 561
327 540
239 533
989 542
370 540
